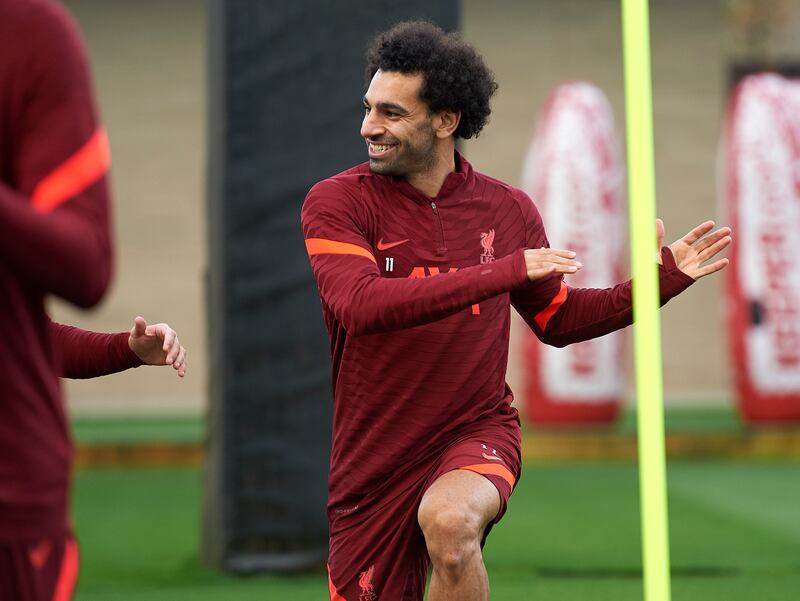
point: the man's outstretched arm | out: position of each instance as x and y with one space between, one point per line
578 314
87 354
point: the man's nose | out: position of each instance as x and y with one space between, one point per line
371 126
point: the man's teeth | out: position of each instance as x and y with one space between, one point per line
380 147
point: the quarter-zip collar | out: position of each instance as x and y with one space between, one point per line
447 194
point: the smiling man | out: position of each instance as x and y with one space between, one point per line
418 259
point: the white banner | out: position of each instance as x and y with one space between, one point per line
574 174
763 190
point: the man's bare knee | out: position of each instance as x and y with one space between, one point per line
452 536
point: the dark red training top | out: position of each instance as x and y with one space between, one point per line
416 294
54 239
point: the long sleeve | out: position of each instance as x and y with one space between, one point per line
54 210
87 354
560 315
578 314
351 285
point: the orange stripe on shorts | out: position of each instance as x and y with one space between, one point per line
335 596
320 246
68 575
544 316
74 175
495 469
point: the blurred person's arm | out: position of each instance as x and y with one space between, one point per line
560 315
86 354
54 213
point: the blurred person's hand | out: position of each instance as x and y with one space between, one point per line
157 344
695 248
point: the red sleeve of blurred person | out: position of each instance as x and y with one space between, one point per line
54 205
92 354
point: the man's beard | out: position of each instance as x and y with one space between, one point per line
411 157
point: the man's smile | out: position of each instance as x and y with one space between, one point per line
379 150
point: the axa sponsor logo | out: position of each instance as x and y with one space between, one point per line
429 271
424 272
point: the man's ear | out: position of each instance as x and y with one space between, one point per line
446 123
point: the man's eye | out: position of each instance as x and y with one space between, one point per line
366 109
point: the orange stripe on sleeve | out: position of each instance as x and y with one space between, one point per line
494 469
74 175
320 246
544 316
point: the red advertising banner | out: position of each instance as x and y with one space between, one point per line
574 173
760 185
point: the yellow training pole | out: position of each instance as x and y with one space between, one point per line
647 329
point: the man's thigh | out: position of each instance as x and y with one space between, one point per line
46 570
496 458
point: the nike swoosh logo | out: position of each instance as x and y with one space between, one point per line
485 456
382 246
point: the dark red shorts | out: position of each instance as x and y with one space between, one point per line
43 571
384 558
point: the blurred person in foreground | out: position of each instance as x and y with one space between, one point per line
418 259
54 239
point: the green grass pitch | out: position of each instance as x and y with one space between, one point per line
571 533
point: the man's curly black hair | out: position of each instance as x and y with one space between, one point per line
455 76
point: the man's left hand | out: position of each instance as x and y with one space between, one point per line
157 344
697 248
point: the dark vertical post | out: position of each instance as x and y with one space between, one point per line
286 80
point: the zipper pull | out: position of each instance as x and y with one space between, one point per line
442 249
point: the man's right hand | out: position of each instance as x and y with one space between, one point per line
542 262
157 344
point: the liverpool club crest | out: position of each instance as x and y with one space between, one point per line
367 589
487 241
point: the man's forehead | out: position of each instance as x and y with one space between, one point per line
394 87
